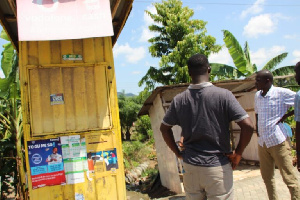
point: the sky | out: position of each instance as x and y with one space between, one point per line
270 27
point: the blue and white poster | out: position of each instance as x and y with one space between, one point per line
46 163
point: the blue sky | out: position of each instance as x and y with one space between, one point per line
270 27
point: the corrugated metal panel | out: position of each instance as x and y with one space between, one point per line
90 109
85 106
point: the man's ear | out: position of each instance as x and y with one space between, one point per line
209 69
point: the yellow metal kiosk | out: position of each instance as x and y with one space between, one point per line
70 114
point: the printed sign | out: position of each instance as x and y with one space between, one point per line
46 163
63 19
57 99
72 57
96 160
74 153
111 159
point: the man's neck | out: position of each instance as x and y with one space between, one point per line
265 90
200 79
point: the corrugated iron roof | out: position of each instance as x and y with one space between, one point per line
235 86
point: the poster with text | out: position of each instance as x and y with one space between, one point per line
46 163
75 161
63 19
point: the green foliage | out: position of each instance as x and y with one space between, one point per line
242 61
150 172
178 37
11 129
134 153
143 131
128 110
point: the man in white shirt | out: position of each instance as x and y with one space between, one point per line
54 157
271 106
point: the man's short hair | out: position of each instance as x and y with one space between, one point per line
266 74
198 63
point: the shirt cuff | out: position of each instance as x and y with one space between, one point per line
163 122
242 118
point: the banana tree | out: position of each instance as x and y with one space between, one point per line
242 61
11 130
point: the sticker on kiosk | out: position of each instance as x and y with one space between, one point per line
57 99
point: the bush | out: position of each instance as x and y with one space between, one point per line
134 153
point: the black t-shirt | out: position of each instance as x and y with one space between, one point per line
204 115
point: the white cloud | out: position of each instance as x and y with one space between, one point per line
146 33
136 72
2 74
261 25
199 8
263 55
132 55
293 36
296 54
147 19
222 56
256 8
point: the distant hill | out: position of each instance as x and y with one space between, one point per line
127 94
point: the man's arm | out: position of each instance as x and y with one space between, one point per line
168 136
256 123
297 134
246 126
286 116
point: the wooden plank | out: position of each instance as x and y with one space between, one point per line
66 48
78 49
56 87
68 79
79 95
35 101
91 97
55 52
33 53
47 111
101 97
99 50
44 53
88 50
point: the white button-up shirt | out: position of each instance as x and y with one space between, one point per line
270 109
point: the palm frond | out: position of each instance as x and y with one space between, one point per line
222 71
236 51
282 71
294 88
275 61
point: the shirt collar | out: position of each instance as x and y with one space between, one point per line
269 93
199 86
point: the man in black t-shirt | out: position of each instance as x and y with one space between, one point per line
204 113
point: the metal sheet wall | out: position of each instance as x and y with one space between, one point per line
90 108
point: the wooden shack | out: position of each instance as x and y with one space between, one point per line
157 104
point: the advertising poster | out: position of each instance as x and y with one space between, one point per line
111 160
75 161
102 161
46 163
95 162
63 19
